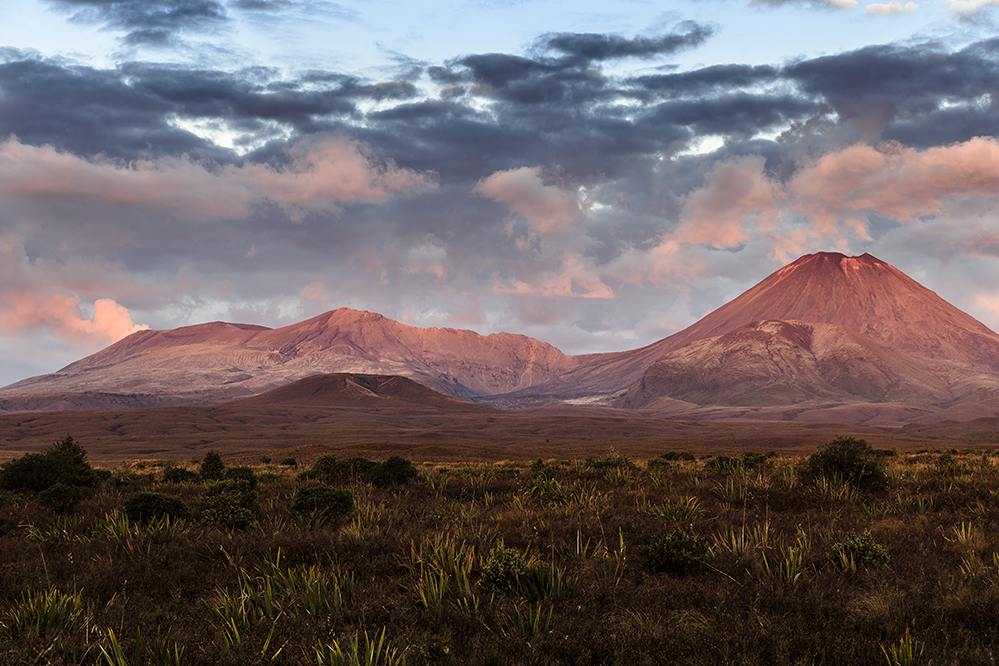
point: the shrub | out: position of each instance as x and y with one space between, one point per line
144 507
659 464
946 464
231 503
245 473
101 476
212 467
849 459
351 468
859 552
60 497
265 460
331 502
64 462
678 553
289 462
752 460
393 472
723 464
179 475
677 455
612 460
503 571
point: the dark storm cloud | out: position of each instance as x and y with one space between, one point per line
86 110
737 114
261 5
497 111
706 80
597 47
130 111
148 21
883 87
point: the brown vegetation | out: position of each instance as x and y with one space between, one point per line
599 561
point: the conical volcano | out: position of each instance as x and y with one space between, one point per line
865 295
862 295
828 327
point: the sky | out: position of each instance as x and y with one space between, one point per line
595 175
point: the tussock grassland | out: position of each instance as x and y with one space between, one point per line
758 559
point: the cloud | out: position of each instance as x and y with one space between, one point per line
826 4
738 202
62 316
836 195
599 47
320 172
43 295
546 208
891 8
971 6
151 22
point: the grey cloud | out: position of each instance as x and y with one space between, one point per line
706 80
878 86
152 22
598 47
820 4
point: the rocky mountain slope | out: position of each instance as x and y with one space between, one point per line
790 363
827 331
211 363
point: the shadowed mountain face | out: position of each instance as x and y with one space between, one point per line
211 363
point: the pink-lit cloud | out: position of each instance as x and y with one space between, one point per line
61 316
737 203
830 199
321 172
546 208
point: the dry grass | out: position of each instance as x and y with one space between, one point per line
403 571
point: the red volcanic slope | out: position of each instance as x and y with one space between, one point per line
210 363
771 363
863 294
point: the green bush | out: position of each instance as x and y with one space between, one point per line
752 460
64 462
331 502
612 460
503 570
659 465
245 473
724 464
231 503
859 552
393 472
144 507
212 467
851 460
325 465
677 455
289 462
678 553
946 465
265 460
179 475
60 497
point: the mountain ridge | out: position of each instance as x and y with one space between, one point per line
907 337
